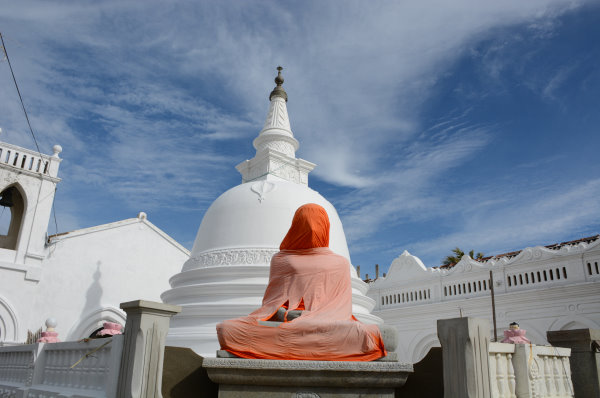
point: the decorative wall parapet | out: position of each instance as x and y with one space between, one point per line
409 282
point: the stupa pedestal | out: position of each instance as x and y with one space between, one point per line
258 378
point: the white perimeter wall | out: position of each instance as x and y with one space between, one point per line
412 298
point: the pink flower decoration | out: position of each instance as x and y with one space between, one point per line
110 329
515 337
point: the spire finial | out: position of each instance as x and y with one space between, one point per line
278 91
279 78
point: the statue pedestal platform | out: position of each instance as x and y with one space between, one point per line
254 378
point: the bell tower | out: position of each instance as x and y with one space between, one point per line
27 186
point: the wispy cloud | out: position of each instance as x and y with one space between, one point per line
561 75
534 218
153 98
406 190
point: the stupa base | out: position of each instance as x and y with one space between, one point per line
305 379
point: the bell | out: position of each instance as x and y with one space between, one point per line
7 199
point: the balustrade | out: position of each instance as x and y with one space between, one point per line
86 369
16 367
521 370
476 368
502 373
29 160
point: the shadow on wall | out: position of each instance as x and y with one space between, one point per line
427 379
93 296
184 376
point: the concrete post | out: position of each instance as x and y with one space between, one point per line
585 358
521 364
465 346
141 368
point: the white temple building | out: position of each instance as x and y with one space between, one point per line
228 269
79 277
543 288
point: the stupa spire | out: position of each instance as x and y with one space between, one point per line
278 90
275 145
277 132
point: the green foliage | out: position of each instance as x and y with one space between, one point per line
457 254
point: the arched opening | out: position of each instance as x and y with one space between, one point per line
12 209
421 348
93 322
9 328
570 322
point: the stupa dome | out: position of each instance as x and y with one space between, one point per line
255 216
228 269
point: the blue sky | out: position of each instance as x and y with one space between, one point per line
433 124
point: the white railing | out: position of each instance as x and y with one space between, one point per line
83 369
26 159
550 372
521 370
502 372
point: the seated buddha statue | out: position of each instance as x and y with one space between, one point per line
306 311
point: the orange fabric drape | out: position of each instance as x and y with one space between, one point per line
317 281
310 229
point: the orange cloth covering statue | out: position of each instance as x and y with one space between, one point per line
305 275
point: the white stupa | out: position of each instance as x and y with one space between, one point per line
228 269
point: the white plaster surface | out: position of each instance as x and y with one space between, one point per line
105 266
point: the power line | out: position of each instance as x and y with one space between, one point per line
19 92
